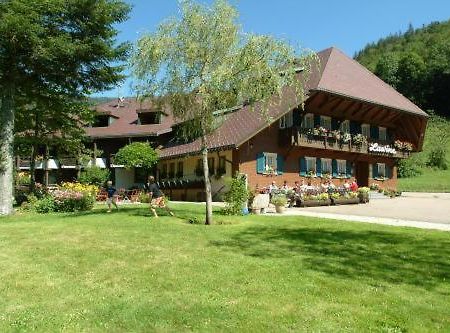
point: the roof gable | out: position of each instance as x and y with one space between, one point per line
342 75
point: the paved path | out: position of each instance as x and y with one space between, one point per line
420 210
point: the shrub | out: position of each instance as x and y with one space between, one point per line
437 158
144 198
45 205
236 196
72 201
408 168
94 176
20 196
78 187
279 200
22 178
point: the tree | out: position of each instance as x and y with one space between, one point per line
60 48
386 69
137 154
55 122
202 62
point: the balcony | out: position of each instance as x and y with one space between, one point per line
303 137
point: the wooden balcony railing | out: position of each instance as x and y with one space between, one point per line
302 137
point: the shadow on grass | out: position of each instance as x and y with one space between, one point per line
374 255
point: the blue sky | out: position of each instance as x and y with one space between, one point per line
346 24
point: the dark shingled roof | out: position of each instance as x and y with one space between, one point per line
337 74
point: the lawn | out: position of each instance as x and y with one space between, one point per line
429 181
126 271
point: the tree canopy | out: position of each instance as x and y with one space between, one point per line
202 62
61 49
137 154
416 63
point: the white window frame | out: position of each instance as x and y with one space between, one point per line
341 167
345 126
326 165
308 121
270 157
365 130
325 122
384 131
381 170
311 161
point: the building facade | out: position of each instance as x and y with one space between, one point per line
351 126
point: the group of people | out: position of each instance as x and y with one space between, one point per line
156 197
326 186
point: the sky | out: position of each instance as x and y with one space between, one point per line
346 24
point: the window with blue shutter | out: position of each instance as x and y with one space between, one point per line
318 167
388 169
348 170
260 163
280 164
296 117
334 168
374 132
334 124
302 166
316 120
374 171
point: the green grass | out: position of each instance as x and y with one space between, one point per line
127 272
429 181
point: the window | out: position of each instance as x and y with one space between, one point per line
326 165
325 122
101 121
382 133
308 121
163 174
140 175
148 118
211 165
171 170
222 165
310 165
199 168
381 168
271 162
341 167
345 126
180 171
365 128
286 121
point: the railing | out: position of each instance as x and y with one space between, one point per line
303 137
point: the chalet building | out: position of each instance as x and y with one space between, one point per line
352 126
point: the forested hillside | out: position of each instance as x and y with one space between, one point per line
416 63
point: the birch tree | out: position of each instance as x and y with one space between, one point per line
201 62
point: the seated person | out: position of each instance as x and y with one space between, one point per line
285 186
353 186
346 185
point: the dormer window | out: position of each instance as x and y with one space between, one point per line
150 117
102 120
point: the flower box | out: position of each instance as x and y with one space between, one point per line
315 203
346 201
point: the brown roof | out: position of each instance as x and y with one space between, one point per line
337 74
344 76
126 124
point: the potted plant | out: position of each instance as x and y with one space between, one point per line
279 201
363 194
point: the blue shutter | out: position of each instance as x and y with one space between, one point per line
334 124
388 171
302 166
280 164
296 117
260 163
374 171
316 120
348 169
318 167
353 127
334 168
374 132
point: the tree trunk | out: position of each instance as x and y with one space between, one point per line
6 149
207 183
33 167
